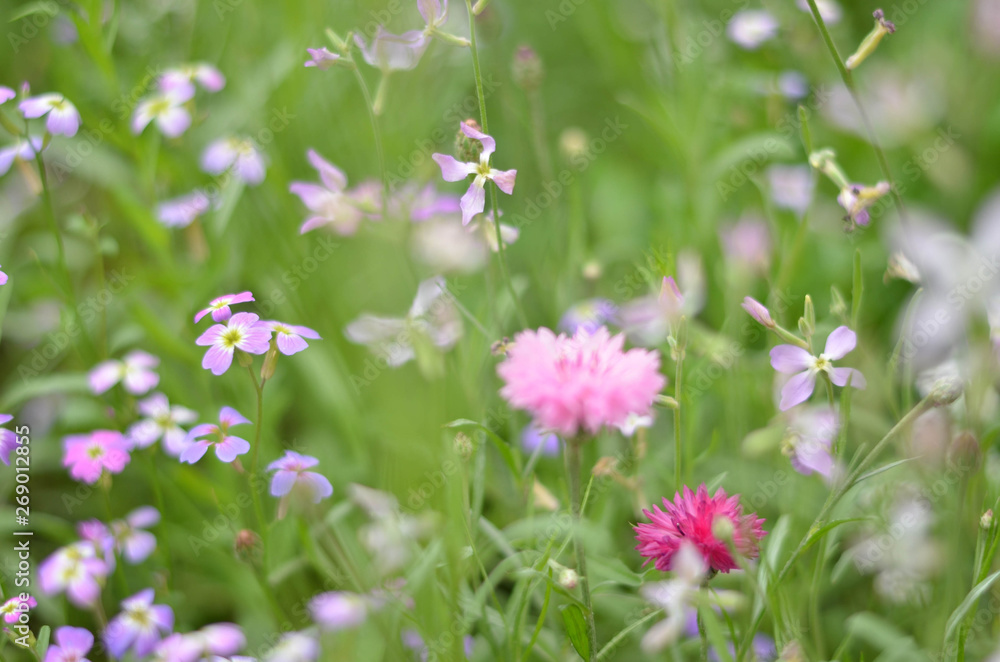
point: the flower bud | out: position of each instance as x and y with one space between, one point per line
568 578
605 466
945 391
809 315
723 529
838 306
339 44
527 69
758 311
986 521
900 267
248 546
964 451
270 362
666 401
463 445
245 360
825 161
870 42
467 149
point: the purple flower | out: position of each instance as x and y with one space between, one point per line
790 359
219 307
474 200
791 187
810 437
758 311
130 538
532 437
13 608
72 644
167 110
750 28
75 569
747 243
161 421
241 331
290 471
63 118
427 203
135 371
6 94
330 203
589 315
338 610
218 639
321 58
393 52
240 154
182 211
857 198
227 447
290 337
3 278
139 626
22 150
8 439
180 81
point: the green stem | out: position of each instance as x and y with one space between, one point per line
259 510
573 469
703 636
373 117
678 394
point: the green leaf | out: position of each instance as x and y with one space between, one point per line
36 387
47 7
895 644
502 446
42 643
716 635
576 628
611 572
968 603
883 468
857 291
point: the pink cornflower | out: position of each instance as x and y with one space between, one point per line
241 331
290 337
290 471
21 150
227 447
135 371
695 518
63 117
75 569
13 608
240 154
452 170
791 359
219 307
182 211
577 385
71 645
139 626
329 201
321 58
89 455
8 439
162 421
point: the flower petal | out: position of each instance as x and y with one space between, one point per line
797 390
841 341
839 377
473 202
453 170
790 359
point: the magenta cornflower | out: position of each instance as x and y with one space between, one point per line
577 385
135 371
13 608
695 518
452 170
8 439
290 338
71 645
321 58
75 569
63 117
290 472
139 626
242 331
227 447
219 307
791 359
240 154
162 421
89 455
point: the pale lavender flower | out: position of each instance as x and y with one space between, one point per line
8 439
747 243
791 187
676 596
321 58
22 150
219 307
338 610
758 311
393 52
182 211
135 371
589 315
241 331
63 117
790 359
240 154
75 569
227 447
648 320
532 437
162 421
427 203
751 27
290 338
452 170
294 647
139 626
181 80
6 94
857 198
331 204
829 10
130 538
808 443
633 423
167 110
445 247
71 645
217 639
290 472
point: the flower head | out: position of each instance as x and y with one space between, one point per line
181 80
167 110
791 187
13 608
3 278
747 243
589 315
290 338
182 211
89 455
321 58
6 94
75 569
577 385
63 117
393 52
452 170
22 150
135 371
241 331
162 421
338 610
329 201
8 439
751 27
240 154
809 440
857 198
692 518
219 307
71 645
227 447
290 471
139 626
790 359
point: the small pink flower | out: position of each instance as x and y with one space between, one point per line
747 243
3 278
227 447
22 150
162 421
242 331
167 110
75 569
290 471
180 81
8 439
240 154
182 211
135 371
219 307
6 94
290 337
452 170
691 518
139 626
71 645
339 610
89 455
63 117
791 359
329 201
13 608
808 443
321 58
580 384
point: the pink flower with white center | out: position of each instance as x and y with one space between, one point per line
808 443
219 307
162 421
693 519
393 52
71 645
240 154
790 359
290 337
329 201
89 455
580 384
139 626
452 170
6 94
181 80
321 58
75 569
290 472
22 150
227 447
13 608
167 109
135 371
182 211
242 331
339 610
8 439
63 117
